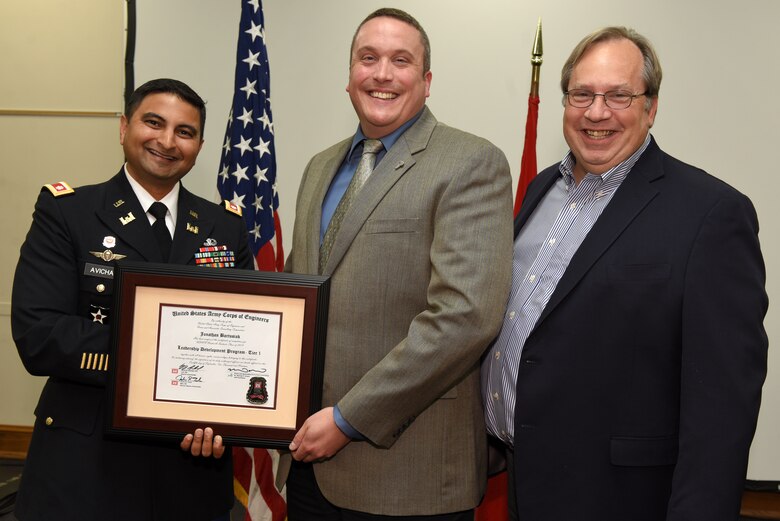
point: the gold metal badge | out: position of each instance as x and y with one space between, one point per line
127 219
108 255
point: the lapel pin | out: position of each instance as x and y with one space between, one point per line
194 214
119 203
210 242
127 219
109 241
191 228
399 165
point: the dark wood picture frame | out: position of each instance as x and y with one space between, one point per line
143 290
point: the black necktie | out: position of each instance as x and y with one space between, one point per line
161 233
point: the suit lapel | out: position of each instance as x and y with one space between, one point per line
193 226
397 161
314 210
122 213
633 195
534 195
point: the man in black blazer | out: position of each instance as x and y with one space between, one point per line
61 310
626 380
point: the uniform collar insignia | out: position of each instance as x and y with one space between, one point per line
127 219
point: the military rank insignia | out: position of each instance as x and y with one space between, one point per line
58 189
232 207
216 256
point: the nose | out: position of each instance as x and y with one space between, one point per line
598 110
166 138
383 70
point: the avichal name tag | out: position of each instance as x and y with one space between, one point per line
96 270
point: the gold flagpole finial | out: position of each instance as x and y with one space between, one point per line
536 59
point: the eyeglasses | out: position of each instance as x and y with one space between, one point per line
614 99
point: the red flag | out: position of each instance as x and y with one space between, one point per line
528 161
494 504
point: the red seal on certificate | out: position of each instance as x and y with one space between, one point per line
258 390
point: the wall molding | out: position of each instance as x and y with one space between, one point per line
61 113
14 441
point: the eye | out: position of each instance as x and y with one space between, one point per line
619 96
580 96
152 122
186 133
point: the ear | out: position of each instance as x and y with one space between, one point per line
652 112
427 77
122 129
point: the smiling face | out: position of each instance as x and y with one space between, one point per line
161 141
387 83
599 137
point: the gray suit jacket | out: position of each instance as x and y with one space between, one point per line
420 273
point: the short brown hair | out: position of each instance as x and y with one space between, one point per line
651 72
405 17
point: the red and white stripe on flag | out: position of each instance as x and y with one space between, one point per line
253 484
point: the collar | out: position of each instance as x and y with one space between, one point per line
567 165
171 200
387 141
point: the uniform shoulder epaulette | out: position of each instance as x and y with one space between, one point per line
232 207
59 188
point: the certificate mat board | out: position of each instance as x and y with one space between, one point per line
239 351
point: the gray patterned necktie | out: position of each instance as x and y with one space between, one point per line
364 168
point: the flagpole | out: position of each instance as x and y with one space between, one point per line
536 60
494 506
528 161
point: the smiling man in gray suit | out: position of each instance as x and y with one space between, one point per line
419 260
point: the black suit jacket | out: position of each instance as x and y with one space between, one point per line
639 387
60 286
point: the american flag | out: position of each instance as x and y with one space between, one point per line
247 171
247 177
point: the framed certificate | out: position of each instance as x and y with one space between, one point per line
239 351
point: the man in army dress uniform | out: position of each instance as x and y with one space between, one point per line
61 308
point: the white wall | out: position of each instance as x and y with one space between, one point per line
718 103
55 56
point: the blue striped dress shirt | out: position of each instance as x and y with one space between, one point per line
543 249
